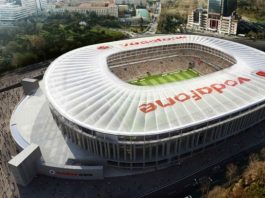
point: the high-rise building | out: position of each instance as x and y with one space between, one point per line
228 7
10 12
41 4
228 25
214 13
222 7
197 19
134 2
100 10
214 7
217 9
220 17
30 6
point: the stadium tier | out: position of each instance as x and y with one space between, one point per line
161 60
150 102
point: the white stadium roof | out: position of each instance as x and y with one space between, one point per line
80 86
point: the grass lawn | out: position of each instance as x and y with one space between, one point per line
166 78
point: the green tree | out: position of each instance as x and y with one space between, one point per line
231 172
217 192
205 186
23 59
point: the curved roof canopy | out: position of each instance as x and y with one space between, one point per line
80 86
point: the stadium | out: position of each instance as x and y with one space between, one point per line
137 105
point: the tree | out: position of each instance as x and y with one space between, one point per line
256 190
262 153
238 191
255 173
205 186
23 59
254 157
48 36
231 172
141 23
169 25
11 47
37 42
217 192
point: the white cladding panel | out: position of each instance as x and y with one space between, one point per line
80 86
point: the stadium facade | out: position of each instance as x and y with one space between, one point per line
110 124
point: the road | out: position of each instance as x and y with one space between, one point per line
151 29
258 44
191 184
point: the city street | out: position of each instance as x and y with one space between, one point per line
152 28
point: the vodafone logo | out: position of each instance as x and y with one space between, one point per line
196 94
157 40
260 73
102 47
144 42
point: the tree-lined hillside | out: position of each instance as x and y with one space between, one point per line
40 38
248 183
252 9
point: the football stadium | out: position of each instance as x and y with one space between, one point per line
137 105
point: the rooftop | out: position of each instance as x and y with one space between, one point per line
80 86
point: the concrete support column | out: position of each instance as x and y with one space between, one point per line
29 85
24 165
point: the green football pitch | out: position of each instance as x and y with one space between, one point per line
166 78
